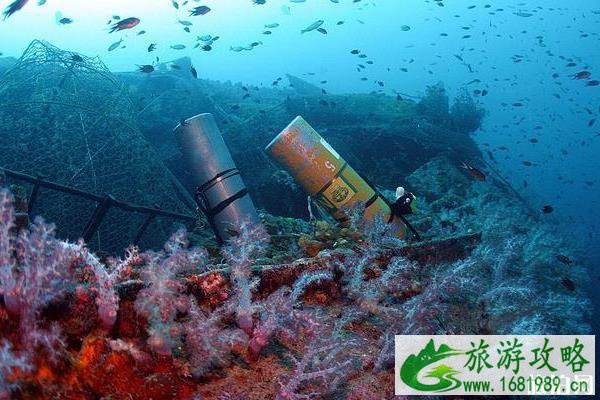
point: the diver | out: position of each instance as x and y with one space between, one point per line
405 202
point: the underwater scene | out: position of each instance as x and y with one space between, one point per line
252 199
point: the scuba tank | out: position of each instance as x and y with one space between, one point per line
219 189
326 176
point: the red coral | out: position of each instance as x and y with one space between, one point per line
212 288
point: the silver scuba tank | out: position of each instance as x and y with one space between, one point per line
220 190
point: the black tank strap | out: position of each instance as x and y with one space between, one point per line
371 200
225 203
204 204
228 173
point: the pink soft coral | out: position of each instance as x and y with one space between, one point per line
163 297
36 269
240 252
207 341
9 363
279 315
324 365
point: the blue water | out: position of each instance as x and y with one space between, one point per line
513 49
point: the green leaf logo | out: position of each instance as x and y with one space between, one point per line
412 366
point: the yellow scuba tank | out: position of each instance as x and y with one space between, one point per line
326 176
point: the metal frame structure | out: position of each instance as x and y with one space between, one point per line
104 203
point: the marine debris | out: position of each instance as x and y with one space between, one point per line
298 305
79 118
241 321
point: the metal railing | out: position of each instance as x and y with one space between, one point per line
103 204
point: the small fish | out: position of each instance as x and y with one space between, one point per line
178 46
315 25
14 7
76 58
141 33
322 30
405 28
568 283
564 259
152 47
581 75
547 209
271 26
593 83
115 45
185 23
65 21
201 10
146 69
127 23
194 72
474 172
